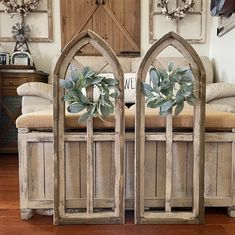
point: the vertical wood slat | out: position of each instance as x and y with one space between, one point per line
224 170
150 169
37 164
72 166
129 170
179 177
169 143
48 159
161 169
189 167
90 161
211 159
103 170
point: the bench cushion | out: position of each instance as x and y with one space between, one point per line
215 120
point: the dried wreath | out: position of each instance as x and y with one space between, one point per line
178 13
13 7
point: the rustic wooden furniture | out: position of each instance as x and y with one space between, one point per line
36 160
117 22
91 215
197 137
10 78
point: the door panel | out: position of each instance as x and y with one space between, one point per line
117 21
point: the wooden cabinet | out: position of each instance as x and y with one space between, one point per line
10 103
116 21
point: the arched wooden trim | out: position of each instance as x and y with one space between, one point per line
60 216
171 39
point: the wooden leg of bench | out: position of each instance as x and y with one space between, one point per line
26 214
231 211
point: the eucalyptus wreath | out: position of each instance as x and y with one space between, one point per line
13 7
77 99
178 13
169 88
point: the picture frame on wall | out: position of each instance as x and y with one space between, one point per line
40 32
192 27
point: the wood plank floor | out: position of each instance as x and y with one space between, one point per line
217 221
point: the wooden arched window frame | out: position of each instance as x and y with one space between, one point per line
198 137
60 215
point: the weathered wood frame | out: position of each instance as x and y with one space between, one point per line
60 215
202 13
49 13
197 216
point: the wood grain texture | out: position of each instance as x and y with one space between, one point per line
117 22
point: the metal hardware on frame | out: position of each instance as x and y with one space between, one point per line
100 2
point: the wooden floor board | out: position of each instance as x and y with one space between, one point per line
217 221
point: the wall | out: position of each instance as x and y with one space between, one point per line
43 53
222 54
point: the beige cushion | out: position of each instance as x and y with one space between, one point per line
215 120
40 89
224 101
220 107
219 90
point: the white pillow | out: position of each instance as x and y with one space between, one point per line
129 86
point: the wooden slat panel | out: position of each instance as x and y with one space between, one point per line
150 169
179 169
72 164
103 163
210 169
224 169
48 153
37 174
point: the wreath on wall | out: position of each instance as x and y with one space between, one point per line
178 13
13 7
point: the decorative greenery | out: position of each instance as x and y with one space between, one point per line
21 32
77 99
178 13
169 88
12 7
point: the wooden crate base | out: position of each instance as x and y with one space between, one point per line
36 171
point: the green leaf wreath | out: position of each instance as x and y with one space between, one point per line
77 99
169 88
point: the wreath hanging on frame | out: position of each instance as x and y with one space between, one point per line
12 7
178 13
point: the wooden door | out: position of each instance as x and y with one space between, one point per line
116 21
